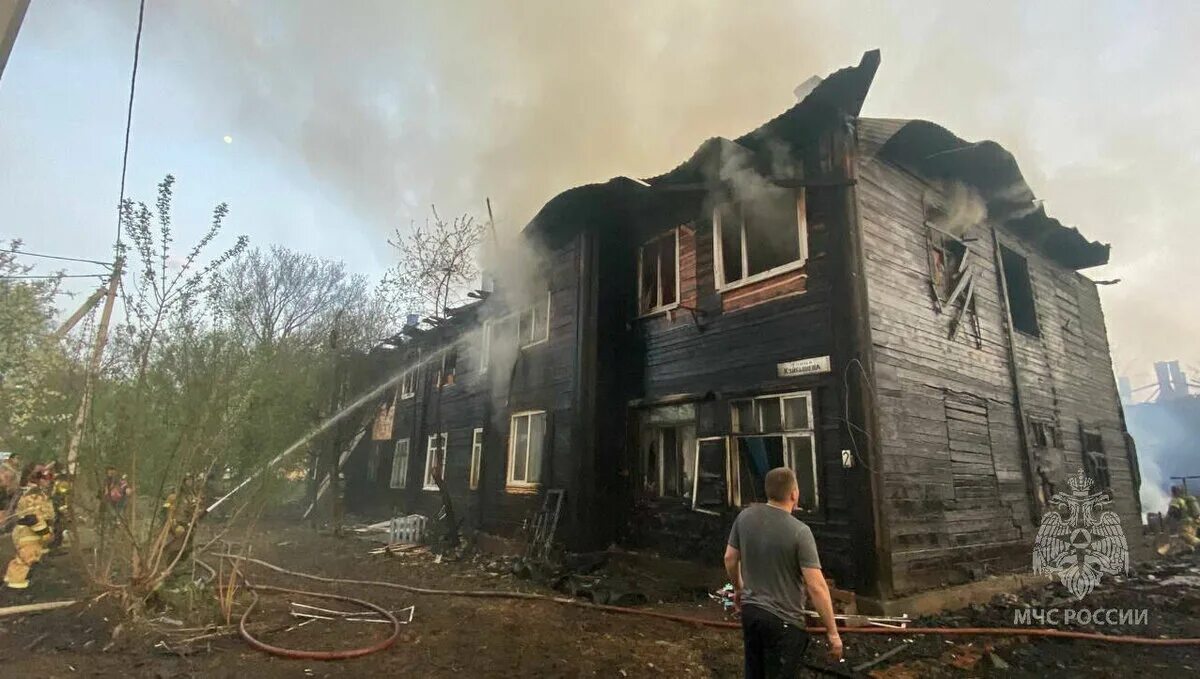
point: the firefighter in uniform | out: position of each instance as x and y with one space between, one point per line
60 496
35 517
1185 509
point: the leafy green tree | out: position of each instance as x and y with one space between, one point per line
35 377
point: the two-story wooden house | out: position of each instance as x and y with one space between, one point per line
877 304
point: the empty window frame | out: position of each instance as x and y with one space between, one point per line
759 238
1043 434
435 460
776 431
1095 464
533 323
445 374
400 465
408 384
528 327
773 413
668 467
946 254
527 440
658 273
1021 304
711 487
476 457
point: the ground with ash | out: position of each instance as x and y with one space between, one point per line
452 636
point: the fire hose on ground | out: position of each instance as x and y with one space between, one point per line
721 624
306 654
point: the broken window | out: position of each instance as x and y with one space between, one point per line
399 464
946 256
476 456
529 326
658 278
445 373
760 237
435 460
776 431
533 323
1044 434
774 413
1095 464
667 472
527 439
1020 292
712 476
408 384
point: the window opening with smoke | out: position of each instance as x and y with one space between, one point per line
763 234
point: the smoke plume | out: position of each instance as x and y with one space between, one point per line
395 105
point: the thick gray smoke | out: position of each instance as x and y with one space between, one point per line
395 105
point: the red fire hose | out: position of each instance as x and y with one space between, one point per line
305 654
908 631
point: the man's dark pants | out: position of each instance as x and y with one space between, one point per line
774 649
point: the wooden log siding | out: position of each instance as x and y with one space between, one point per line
542 378
733 348
946 408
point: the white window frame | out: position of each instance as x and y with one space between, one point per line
476 457
428 483
809 432
440 374
532 310
719 254
512 448
735 425
528 313
658 307
399 477
408 384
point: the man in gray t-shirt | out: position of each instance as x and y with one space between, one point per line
772 561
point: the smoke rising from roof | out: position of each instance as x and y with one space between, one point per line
395 105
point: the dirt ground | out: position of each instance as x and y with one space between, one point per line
452 636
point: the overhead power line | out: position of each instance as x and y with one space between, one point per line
75 275
65 259
137 48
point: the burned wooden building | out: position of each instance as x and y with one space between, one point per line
878 304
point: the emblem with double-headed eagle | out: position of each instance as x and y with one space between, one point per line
1083 544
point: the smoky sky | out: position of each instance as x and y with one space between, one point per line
391 106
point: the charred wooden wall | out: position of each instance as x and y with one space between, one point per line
542 377
717 346
958 489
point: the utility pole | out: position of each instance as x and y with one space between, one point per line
335 393
89 384
83 310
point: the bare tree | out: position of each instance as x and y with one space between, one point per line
437 264
279 295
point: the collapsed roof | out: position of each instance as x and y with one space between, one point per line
917 144
988 167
